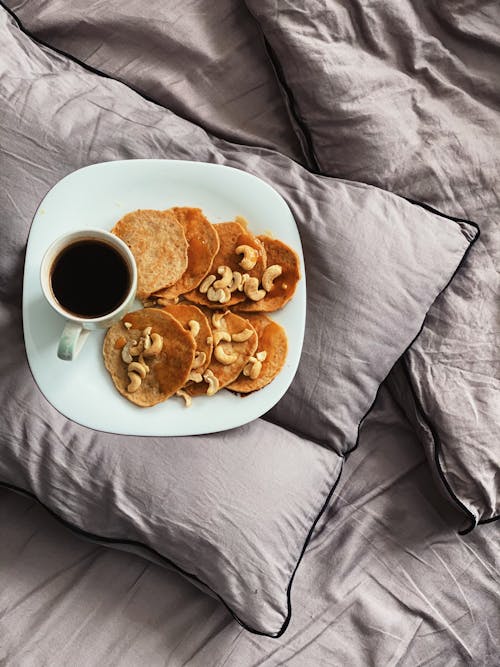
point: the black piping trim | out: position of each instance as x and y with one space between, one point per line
306 141
135 543
437 455
305 136
490 520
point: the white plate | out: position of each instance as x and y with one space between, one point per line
97 196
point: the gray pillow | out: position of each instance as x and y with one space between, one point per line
380 99
233 511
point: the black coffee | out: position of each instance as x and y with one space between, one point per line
90 278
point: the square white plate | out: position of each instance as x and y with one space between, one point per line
98 196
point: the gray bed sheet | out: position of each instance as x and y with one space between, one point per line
386 580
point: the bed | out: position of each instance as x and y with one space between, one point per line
401 565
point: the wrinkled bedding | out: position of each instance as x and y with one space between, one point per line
386 579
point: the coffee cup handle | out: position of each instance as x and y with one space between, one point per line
71 342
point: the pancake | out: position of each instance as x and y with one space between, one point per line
227 373
284 286
168 371
203 244
273 341
185 313
159 245
231 235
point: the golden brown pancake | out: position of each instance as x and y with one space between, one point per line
226 373
272 340
169 370
203 244
159 245
231 235
284 286
185 313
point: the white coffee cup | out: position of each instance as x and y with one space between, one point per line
79 325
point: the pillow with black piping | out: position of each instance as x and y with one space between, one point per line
233 512
403 96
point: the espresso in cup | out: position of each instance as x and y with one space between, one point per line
90 278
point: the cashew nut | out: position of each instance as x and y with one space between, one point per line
269 275
141 361
137 348
220 335
185 396
261 356
227 277
126 355
155 347
135 382
212 381
250 256
253 368
224 357
244 278
252 290
217 319
199 359
236 282
136 367
194 327
242 336
206 283
221 295
195 377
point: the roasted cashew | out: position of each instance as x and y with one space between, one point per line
221 295
217 319
141 361
155 347
194 327
252 290
220 335
253 368
137 348
212 381
261 356
244 278
227 277
185 396
195 377
250 256
126 355
236 282
224 357
206 283
242 336
136 367
199 359
135 382
269 275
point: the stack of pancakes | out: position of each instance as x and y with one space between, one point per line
175 251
